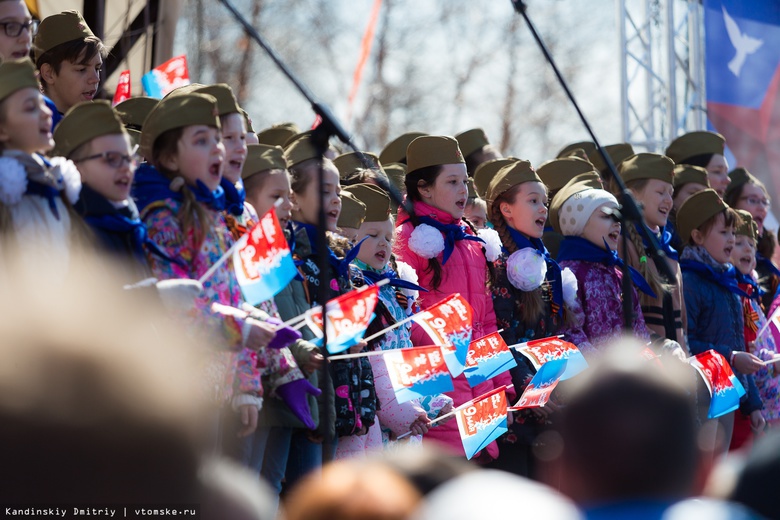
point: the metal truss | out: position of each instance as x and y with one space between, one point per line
662 70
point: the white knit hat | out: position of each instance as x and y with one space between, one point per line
578 208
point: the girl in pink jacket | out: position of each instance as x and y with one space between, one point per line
436 188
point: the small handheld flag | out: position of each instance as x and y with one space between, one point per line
348 317
448 323
482 421
417 372
724 387
487 357
541 387
122 92
543 350
162 79
263 261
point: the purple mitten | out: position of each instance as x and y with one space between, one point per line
284 334
294 396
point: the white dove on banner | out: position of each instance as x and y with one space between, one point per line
744 45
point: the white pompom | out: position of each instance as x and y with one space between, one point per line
71 178
526 269
406 272
569 282
13 181
426 241
492 243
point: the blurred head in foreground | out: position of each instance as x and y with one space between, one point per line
97 402
628 431
353 489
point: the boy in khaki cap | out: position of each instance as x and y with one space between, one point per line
69 58
93 137
712 297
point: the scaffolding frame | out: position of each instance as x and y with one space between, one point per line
662 71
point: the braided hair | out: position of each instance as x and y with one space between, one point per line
653 277
529 304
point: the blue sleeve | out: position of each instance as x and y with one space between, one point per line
753 398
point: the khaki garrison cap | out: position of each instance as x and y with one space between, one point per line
262 157
486 171
16 75
647 166
686 174
84 122
510 175
375 199
471 141
699 208
353 212
395 151
556 173
693 144
432 150
177 112
60 28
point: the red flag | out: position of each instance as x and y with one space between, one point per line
122 92
166 77
348 317
483 421
448 323
263 261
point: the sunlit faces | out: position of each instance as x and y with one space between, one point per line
685 192
755 201
26 122
275 186
199 156
743 256
375 250
108 180
656 200
528 213
75 83
15 47
601 226
719 241
476 214
449 190
234 139
307 203
718 173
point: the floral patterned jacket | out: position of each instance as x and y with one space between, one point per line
230 367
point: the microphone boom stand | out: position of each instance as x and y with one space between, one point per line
630 212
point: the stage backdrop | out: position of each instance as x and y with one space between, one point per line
742 40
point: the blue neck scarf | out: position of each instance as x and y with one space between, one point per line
340 266
664 241
373 277
726 279
757 291
578 248
553 275
235 196
117 223
150 186
45 191
452 233
767 264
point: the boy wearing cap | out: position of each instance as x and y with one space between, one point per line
743 257
69 58
746 192
92 137
712 293
375 262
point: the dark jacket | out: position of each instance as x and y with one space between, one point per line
715 321
121 245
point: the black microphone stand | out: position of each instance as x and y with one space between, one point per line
630 212
320 136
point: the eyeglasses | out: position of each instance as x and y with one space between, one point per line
113 159
14 29
754 201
